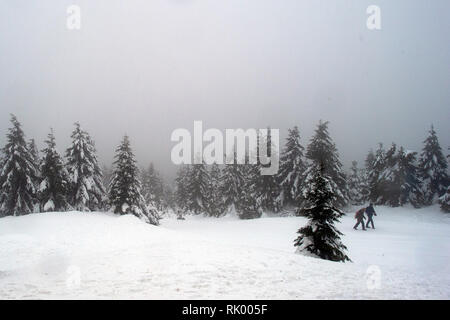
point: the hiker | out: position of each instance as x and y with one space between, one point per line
370 211
359 216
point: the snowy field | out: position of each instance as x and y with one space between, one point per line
98 256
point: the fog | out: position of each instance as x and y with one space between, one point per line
146 68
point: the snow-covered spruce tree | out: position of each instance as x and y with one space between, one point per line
18 175
54 183
215 205
291 175
433 169
86 190
320 237
355 182
125 188
197 189
231 185
322 151
374 167
152 186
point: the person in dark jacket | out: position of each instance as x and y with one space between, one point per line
359 216
370 212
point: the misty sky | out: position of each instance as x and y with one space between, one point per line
148 67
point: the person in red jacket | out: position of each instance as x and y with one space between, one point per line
359 216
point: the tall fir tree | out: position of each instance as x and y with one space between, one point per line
125 188
322 151
291 175
433 169
18 175
54 185
86 190
320 237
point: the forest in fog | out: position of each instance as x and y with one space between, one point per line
35 180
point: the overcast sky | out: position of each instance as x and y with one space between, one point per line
148 67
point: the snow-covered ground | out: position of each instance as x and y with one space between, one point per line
98 255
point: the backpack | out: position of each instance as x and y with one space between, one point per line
359 213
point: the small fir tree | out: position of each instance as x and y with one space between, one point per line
320 237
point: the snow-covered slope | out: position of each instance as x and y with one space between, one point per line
97 255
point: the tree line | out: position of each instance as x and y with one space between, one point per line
392 177
33 183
